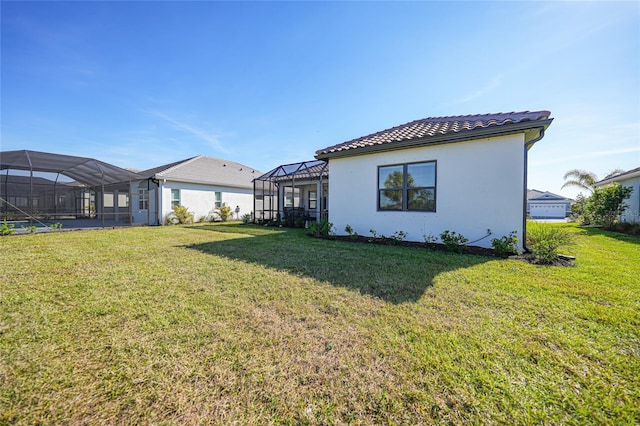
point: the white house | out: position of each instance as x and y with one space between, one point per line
629 179
547 205
202 184
466 174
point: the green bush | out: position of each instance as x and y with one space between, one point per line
7 229
544 240
506 245
179 215
453 241
247 218
322 229
607 204
224 213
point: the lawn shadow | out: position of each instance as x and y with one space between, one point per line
391 273
594 230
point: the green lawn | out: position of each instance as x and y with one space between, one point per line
232 323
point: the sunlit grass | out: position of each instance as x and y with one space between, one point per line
232 323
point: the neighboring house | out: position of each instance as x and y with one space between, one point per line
629 179
202 184
546 205
466 174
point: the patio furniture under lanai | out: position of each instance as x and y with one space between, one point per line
292 194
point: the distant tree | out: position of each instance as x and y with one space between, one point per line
581 179
584 179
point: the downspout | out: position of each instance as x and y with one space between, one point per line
527 147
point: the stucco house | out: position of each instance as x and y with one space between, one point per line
547 205
201 183
39 185
466 174
629 179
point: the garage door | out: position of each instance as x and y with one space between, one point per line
548 211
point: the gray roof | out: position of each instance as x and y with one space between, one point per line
535 195
438 130
206 170
620 176
86 171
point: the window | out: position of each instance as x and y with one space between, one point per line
291 197
143 199
218 201
108 199
313 200
407 187
175 197
123 199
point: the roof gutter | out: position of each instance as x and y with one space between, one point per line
492 131
527 147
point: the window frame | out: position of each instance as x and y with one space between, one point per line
175 201
217 199
143 199
313 201
405 189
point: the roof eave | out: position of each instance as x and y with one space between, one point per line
201 182
442 139
617 178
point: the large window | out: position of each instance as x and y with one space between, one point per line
407 187
175 197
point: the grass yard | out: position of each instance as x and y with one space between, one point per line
239 324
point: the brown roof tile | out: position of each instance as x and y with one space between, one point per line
433 127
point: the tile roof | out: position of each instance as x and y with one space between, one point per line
441 129
206 170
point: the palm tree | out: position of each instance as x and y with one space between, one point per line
584 179
580 178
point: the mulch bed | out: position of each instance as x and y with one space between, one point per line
469 250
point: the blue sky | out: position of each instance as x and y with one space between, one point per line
140 84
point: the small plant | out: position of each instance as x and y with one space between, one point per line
7 229
180 215
352 234
246 218
430 239
374 235
30 229
320 229
224 213
506 245
453 241
544 240
55 226
397 237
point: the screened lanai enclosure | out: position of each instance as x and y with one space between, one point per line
292 194
40 186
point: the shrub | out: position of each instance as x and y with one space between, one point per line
247 218
7 229
349 230
506 245
322 229
453 241
607 204
223 212
544 240
179 215
398 237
